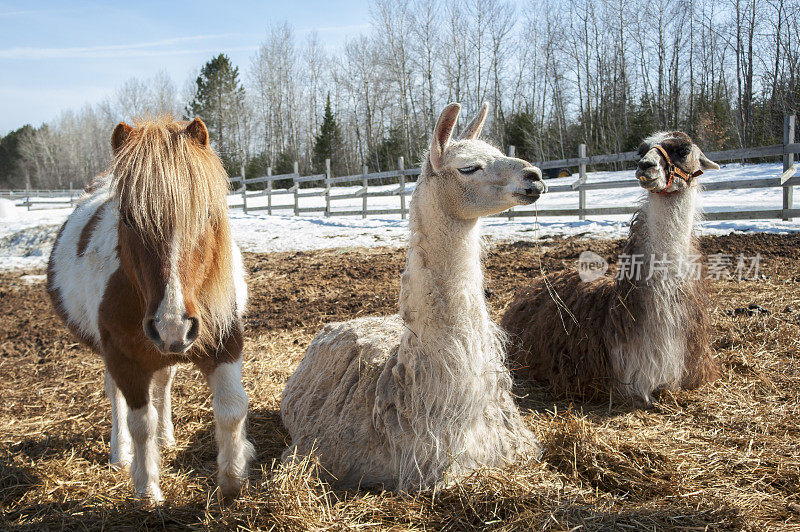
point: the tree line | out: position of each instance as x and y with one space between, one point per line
557 74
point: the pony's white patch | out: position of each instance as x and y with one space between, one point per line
230 410
121 450
170 317
143 423
81 280
239 279
162 397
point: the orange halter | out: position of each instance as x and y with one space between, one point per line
673 170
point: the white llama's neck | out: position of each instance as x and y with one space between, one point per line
441 291
453 389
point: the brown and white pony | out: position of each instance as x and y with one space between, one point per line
145 272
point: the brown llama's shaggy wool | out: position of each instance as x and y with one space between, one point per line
645 329
571 348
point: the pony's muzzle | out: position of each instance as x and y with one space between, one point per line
172 335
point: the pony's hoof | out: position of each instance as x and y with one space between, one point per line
230 485
122 463
151 495
234 472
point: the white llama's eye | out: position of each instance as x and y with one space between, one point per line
469 169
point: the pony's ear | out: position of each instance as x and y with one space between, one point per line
707 163
473 130
197 131
119 136
441 134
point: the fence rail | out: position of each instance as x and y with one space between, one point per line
399 177
43 199
786 181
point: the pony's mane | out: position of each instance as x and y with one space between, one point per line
167 182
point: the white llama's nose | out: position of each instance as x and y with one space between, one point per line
532 177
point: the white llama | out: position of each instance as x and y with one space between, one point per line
417 400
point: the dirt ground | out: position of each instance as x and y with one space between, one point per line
726 456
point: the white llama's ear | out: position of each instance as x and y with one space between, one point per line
441 134
707 163
473 130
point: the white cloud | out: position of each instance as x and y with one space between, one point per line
35 12
144 49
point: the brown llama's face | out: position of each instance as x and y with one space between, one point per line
168 279
652 168
472 177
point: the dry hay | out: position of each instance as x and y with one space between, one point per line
726 456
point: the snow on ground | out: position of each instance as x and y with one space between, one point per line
25 242
8 210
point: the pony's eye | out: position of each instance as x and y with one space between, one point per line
469 169
125 219
683 152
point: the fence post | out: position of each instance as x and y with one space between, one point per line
296 188
788 162
401 165
269 191
364 183
512 152
581 180
327 187
244 192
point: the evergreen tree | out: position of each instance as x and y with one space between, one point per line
218 101
11 172
521 132
388 151
328 144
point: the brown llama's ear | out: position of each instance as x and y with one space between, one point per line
441 134
197 130
119 136
707 163
473 130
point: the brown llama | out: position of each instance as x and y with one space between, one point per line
648 328
145 272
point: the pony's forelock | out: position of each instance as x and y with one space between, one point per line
167 182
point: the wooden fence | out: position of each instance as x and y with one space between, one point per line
43 199
787 180
328 191
400 177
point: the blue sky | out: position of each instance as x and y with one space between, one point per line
60 55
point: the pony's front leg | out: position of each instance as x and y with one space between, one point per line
134 383
230 410
162 397
121 451
143 425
